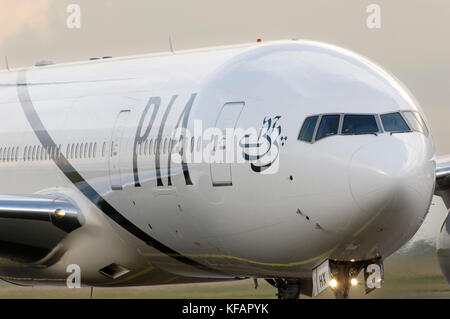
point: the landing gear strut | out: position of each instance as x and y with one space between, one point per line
287 288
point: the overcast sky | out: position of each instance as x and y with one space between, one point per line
413 42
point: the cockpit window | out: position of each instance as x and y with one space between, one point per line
422 122
359 124
317 127
307 131
413 122
328 126
394 122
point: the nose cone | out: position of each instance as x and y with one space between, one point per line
393 177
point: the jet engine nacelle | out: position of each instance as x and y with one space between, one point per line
443 248
31 226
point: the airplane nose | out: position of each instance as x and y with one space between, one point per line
392 175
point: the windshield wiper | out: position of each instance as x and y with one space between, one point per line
405 131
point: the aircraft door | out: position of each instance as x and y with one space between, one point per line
115 154
221 166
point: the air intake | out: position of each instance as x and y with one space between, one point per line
114 271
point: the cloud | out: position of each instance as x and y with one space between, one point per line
17 14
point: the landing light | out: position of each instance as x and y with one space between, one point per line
60 213
333 283
354 281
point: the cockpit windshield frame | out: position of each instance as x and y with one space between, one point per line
378 119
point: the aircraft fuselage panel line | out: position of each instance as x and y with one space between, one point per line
84 187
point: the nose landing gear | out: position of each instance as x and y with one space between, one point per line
344 274
287 288
291 288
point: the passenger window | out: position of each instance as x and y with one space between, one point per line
359 124
104 149
328 126
157 142
146 147
181 145
150 147
90 150
173 143
199 144
394 122
165 146
307 130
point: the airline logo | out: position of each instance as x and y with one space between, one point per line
262 150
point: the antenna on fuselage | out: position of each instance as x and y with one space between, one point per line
7 64
171 45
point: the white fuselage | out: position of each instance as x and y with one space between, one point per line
110 123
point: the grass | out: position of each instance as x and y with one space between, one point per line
405 277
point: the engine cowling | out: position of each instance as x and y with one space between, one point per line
443 248
32 225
